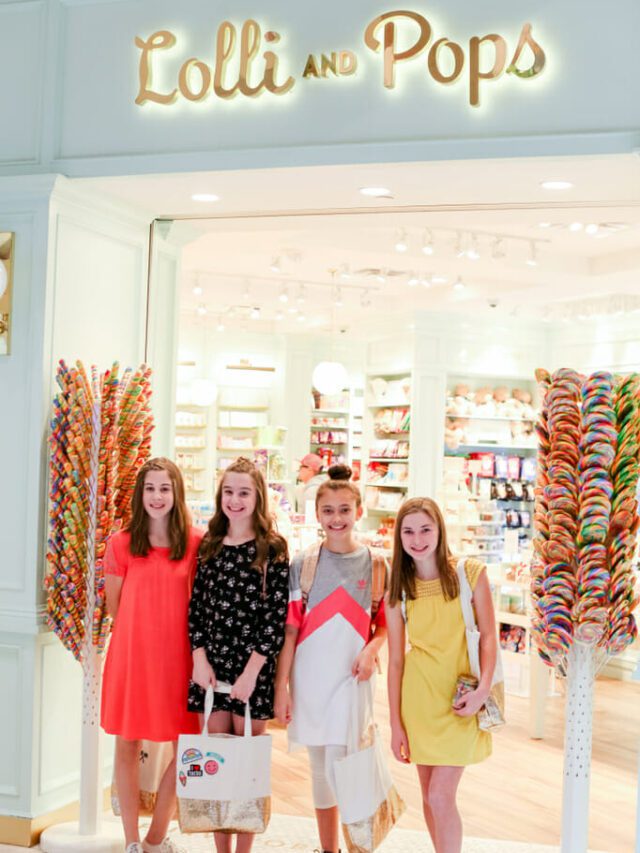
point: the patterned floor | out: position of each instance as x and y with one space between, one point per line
298 835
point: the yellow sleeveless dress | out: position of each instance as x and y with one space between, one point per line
438 655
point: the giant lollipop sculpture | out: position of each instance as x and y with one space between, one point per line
100 436
583 585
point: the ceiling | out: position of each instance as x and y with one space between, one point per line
320 227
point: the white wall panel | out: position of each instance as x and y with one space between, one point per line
60 703
22 54
12 760
580 94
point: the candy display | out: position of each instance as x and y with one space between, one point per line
100 435
583 586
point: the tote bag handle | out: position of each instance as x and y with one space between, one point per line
222 687
361 694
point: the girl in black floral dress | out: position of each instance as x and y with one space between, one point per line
238 610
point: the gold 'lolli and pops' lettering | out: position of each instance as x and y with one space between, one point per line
393 55
196 79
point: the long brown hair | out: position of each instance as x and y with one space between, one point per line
339 478
179 517
267 538
403 570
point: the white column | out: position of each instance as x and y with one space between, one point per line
577 749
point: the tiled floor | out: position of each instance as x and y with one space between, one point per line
298 835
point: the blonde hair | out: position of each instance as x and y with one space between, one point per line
179 518
267 537
403 570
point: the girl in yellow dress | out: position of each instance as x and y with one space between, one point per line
427 728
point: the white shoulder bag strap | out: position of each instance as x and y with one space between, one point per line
222 687
473 635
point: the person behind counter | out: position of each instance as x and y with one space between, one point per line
310 477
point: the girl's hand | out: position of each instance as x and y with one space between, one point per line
400 744
282 706
244 686
202 673
364 665
470 703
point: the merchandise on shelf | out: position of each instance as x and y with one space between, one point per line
389 448
331 402
390 391
485 402
392 421
386 474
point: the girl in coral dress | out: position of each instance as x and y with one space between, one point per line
149 572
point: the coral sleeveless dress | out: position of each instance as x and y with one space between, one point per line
148 666
437 657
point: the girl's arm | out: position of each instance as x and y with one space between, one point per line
272 615
113 590
471 702
283 673
202 673
396 632
365 664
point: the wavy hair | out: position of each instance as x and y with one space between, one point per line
403 570
179 517
269 543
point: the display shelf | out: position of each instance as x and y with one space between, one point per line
386 441
371 485
508 618
397 405
463 449
227 407
330 412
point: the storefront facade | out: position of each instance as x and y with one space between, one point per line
119 88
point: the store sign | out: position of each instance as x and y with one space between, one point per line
398 37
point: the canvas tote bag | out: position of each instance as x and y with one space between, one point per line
491 715
368 802
223 781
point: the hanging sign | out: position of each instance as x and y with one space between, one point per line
397 37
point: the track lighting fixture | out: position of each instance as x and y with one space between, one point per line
459 285
473 252
497 249
284 294
302 295
401 244
427 243
201 310
532 260
365 299
255 313
276 265
246 293
337 297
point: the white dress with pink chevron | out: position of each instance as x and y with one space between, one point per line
333 629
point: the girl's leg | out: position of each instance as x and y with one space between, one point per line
126 772
441 798
220 722
244 841
165 803
424 775
321 759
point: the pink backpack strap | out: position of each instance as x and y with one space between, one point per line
310 559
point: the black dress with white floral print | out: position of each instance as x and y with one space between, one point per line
232 614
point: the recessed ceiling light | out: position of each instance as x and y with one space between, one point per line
544 225
300 318
201 310
279 315
576 226
376 192
556 185
439 279
220 326
592 229
197 290
413 280
205 197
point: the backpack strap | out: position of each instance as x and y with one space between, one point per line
310 559
378 580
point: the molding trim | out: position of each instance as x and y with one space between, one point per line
25 831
